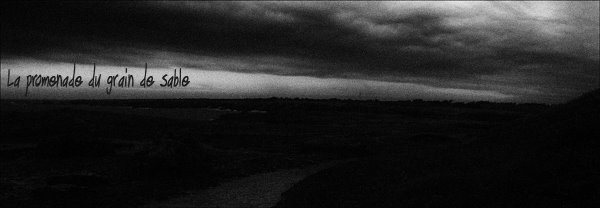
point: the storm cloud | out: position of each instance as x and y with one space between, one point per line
538 51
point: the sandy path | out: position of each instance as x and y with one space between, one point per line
260 190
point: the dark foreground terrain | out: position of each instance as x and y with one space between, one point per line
129 153
551 159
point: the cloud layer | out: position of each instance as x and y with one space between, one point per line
541 51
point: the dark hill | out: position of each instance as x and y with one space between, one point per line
548 160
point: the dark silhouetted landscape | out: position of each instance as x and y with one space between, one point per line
299 104
130 153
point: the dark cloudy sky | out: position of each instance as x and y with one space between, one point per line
499 51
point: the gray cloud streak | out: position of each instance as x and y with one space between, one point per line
506 46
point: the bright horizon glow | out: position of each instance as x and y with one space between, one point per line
225 84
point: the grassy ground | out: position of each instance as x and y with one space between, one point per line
125 153
547 160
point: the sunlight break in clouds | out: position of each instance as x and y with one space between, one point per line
224 84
